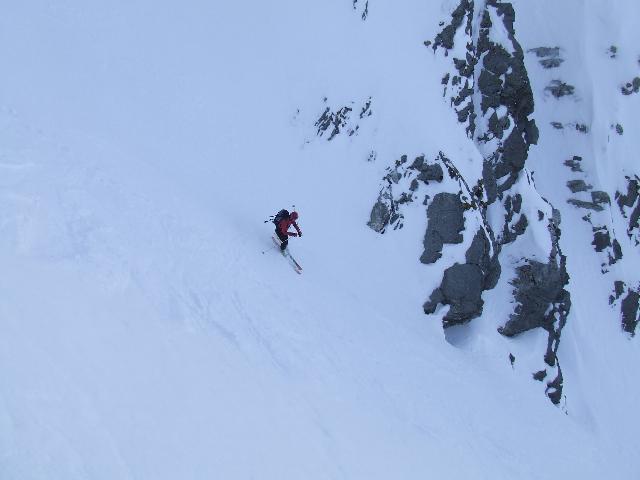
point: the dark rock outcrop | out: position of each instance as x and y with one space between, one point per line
631 87
629 309
463 284
446 221
461 289
629 205
334 122
549 56
584 204
578 186
629 306
536 286
560 89
380 215
400 184
574 163
490 91
603 243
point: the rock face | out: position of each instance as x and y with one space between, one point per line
463 284
629 205
446 221
630 307
536 286
490 92
380 215
461 289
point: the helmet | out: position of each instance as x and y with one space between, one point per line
293 216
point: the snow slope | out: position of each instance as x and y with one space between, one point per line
145 334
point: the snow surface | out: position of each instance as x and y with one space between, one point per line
144 334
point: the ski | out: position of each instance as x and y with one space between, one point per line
293 262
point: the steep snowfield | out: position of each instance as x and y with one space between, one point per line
144 334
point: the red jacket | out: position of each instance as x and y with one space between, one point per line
284 225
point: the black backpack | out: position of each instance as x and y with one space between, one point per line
281 215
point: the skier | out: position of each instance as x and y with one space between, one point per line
283 220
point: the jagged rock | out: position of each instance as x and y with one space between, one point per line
428 172
549 56
431 173
366 109
619 129
332 123
540 376
574 163
531 133
510 231
631 87
445 38
497 60
629 310
588 205
435 299
582 128
554 388
517 95
490 86
551 62
461 289
599 196
537 286
559 89
514 156
557 125
618 287
446 221
629 204
463 284
543 52
380 216
498 84
617 252
418 163
601 240
497 126
404 198
479 253
578 186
